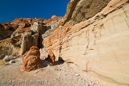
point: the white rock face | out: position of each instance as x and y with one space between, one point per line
102 47
98 46
26 42
7 58
29 39
36 27
43 54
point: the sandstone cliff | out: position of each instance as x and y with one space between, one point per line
94 35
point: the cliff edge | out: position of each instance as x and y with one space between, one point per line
94 36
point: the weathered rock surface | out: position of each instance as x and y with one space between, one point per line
31 37
15 29
93 35
51 57
49 27
31 60
99 44
43 54
5 28
70 8
10 46
17 36
26 42
81 10
86 9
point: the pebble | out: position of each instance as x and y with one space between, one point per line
97 82
77 74
12 61
57 69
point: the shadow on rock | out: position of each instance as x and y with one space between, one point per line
46 62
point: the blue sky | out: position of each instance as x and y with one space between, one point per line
11 9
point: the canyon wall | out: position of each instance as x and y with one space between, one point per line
93 35
17 36
97 44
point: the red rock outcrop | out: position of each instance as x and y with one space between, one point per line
13 38
53 18
51 57
31 60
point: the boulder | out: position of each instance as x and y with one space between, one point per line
31 59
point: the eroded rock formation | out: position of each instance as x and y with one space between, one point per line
31 60
51 57
9 46
5 28
93 34
17 36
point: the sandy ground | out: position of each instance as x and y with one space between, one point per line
62 74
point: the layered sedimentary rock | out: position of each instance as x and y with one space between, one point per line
99 44
30 38
17 36
10 46
12 35
28 41
80 10
5 28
